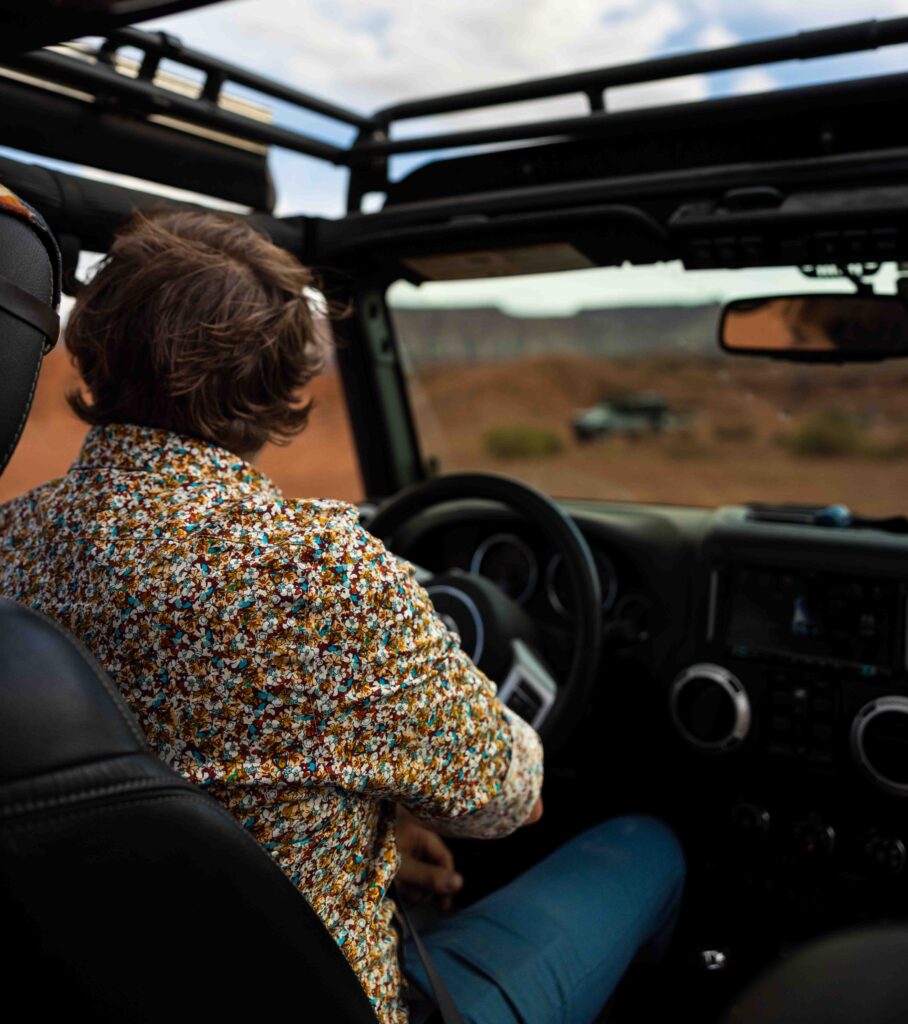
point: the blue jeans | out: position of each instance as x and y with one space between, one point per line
550 947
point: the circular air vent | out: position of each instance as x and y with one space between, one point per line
710 708
879 743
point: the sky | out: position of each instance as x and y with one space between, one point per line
368 53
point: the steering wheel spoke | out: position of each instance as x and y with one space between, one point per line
529 689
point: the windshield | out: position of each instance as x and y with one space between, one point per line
608 383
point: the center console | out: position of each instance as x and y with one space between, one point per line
819 652
789 706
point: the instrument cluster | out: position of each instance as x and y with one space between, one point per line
533 577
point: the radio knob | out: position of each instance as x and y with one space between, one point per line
813 837
879 743
886 853
750 820
710 708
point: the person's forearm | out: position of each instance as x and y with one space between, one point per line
517 798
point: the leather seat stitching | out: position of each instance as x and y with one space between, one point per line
129 785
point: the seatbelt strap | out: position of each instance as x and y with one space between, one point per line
25 307
447 1009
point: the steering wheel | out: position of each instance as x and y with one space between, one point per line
493 628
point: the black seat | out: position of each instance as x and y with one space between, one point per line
29 291
126 894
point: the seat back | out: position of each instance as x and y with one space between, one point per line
29 269
126 894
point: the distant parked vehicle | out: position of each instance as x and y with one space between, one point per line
629 415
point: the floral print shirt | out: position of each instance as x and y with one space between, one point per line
278 655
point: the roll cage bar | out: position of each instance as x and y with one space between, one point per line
135 93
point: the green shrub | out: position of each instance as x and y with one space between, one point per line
828 434
520 441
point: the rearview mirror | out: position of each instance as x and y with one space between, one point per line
817 328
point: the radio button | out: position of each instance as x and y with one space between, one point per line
821 758
780 726
822 708
750 819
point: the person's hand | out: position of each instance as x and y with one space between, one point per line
426 864
535 814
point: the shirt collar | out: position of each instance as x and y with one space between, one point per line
129 448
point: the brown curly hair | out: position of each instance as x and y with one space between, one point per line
198 324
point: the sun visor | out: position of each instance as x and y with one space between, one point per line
545 258
502 246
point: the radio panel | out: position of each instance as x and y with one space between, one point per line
812 618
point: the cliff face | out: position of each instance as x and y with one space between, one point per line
485 335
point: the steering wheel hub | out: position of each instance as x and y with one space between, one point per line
485 618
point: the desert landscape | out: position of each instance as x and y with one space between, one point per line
745 429
752 430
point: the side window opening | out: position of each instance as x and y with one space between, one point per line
319 463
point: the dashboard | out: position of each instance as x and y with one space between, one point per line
754 689
484 540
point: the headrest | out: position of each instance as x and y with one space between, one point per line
30 278
58 708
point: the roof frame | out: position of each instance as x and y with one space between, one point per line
367 157
44 22
594 84
103 80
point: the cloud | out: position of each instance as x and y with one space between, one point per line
754 80
715 35
832 12
374 52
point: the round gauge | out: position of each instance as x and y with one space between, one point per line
509 563
558 585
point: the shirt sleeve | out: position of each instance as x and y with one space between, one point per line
388 704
